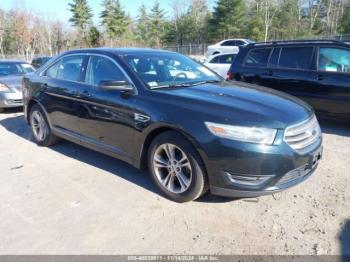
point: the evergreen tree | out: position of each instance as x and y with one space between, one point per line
229 19
81 16
156 25
114 19
142 26
93 37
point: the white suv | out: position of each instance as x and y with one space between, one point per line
227 46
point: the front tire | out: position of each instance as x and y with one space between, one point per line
176 167
40 127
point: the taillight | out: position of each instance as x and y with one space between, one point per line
229 76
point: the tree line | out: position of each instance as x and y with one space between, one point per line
25 33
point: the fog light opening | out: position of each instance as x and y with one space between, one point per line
248 180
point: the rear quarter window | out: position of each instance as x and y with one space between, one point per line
258 57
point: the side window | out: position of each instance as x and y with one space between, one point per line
274 57
226 59
52 71
258 57
296 57
229 43
215 60
70 68
334 60
102 69
240 43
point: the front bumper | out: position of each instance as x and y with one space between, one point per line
246 170
11 99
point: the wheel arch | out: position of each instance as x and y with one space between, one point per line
29 107
154 132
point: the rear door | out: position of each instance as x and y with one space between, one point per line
331 81
254 66
293 70
221 64
107 118
62 83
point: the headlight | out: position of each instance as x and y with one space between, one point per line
4 88
257 135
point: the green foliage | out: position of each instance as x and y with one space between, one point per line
81 17
93 37
81 14
344 27
229 19
114 19
142 26
156 25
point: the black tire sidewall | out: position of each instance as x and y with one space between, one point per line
197 186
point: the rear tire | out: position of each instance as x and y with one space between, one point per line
176 167
40 127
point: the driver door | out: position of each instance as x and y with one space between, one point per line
106 117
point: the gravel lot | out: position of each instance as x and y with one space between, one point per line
70 200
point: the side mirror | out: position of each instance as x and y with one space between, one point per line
110 85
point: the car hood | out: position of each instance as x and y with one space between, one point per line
241 104
13 82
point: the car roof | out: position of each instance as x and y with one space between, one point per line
119 51
298 42
12 61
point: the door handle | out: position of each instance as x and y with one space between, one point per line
86 94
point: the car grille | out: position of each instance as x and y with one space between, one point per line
303 136
294 174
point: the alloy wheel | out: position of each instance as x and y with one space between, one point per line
39 126
172 168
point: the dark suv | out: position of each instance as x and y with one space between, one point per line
317 71
162 110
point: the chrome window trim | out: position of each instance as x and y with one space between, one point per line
89 55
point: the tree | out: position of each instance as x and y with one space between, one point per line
81 16
156 25
228 20
256 21
142 26
2 32
199 14
344 26
114 19
93 37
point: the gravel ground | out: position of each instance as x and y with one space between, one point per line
70 200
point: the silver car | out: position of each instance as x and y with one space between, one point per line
11 73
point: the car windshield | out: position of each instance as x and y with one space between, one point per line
8 69
161 70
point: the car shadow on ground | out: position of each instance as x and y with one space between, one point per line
335 128
344 239
17 125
